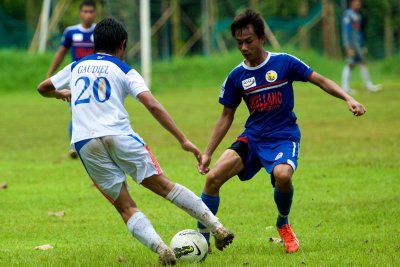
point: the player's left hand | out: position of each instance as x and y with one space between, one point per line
356 108
190 147
204 164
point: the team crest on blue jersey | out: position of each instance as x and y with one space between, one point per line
248 83
271 76
77 37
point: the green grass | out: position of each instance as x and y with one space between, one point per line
346 205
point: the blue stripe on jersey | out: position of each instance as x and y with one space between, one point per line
122 65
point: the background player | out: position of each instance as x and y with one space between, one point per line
354 47
78 38
107 145
271 137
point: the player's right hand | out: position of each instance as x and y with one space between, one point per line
356 108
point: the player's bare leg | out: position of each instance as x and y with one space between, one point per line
192 204
283 198
141 228
227 166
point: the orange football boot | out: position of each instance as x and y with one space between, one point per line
289 239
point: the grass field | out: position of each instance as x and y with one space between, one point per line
346 204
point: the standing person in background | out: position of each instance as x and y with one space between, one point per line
354 47
271 139
78 38
109 148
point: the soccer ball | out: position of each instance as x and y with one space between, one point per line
189 246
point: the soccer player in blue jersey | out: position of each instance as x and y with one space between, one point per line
78 38
109 148
354 47
264 81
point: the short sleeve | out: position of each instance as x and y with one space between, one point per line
66 39
299 71
230 95
62 78
135 83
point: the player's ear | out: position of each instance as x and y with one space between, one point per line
123 45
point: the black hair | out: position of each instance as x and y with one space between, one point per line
87 3
109 35
249 17
349 3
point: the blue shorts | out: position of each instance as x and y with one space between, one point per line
256 155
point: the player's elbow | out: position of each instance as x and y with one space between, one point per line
44 87
40 89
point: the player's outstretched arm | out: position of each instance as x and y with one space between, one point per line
58 59
47 89
334 89
220 129
163 117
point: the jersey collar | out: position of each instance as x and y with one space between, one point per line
259 66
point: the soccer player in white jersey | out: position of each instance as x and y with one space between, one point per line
354 47
271 137
79 39
107 145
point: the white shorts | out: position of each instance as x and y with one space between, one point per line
108 158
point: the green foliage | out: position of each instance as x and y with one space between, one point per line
14 8
284 9
23 71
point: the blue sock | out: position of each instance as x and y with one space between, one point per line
284 203
212 202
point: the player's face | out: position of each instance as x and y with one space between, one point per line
87 15
356 5
249 44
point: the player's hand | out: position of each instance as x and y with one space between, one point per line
190 147
356 108
64 95
204 163
350 51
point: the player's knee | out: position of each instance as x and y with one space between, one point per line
213 183
283 175
283 180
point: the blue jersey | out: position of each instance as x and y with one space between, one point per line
80 40
268 93
352 30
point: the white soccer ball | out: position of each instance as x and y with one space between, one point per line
189 246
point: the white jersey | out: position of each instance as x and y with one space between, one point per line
99 84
